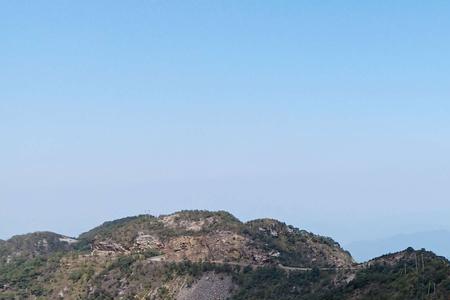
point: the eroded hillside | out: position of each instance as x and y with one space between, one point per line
215 237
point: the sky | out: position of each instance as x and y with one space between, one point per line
332 116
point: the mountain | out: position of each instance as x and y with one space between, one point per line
208 255
35 244
436 240
216 236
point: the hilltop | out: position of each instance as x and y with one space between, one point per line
435 239
208 255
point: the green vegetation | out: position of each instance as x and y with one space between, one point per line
27 276
123 230
34 244
417 275
222 220
274 283
296 247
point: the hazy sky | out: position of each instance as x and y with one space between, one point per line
333 116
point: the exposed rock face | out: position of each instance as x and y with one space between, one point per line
210 286
107 247
223 246
145 241
68 240
207 236
176 221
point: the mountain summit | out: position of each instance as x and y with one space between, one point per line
208 255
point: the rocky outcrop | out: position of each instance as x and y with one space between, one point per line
210 286
108 247
147 241
177 222
217 236
220 246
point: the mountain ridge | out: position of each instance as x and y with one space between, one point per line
192 254
432 239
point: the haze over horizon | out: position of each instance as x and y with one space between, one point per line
332 116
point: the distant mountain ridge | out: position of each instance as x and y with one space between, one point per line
208 255
437 240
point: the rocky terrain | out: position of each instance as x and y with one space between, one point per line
208 255
215 237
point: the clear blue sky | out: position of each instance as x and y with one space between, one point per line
333 116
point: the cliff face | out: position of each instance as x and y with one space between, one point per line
206 255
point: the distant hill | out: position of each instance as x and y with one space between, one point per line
208 255
35 244
437 240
